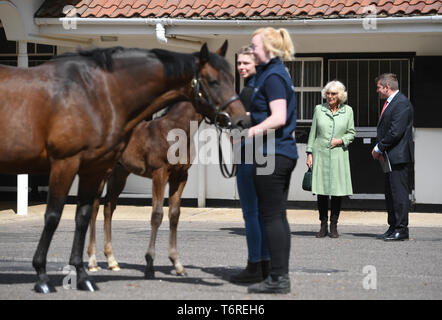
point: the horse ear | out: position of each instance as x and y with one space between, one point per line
222 51
204 55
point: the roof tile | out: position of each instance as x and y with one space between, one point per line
138 3
334 10
171 3
318 11
416 8
238 9
347 10
271 11
385 9
431 8
135 12
91 12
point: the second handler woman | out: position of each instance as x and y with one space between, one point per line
273 106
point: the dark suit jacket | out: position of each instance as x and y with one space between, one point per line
394 132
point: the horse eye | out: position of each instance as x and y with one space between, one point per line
213 83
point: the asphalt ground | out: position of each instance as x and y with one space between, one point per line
212 247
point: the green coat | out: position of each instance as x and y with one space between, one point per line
331 167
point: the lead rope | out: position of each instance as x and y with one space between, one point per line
222 165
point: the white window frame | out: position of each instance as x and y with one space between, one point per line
301 89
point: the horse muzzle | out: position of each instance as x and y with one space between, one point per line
223 120
242 122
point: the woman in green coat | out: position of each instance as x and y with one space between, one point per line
327 154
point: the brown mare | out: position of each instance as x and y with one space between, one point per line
74 115
146 155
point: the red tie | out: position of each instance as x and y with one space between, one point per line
383 109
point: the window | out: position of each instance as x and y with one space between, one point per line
37 53
358 76
307 75
6 46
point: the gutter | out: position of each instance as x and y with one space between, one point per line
209 27
237 22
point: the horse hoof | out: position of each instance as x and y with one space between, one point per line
149 274
115 268
87 285
182 274
44 287
93 269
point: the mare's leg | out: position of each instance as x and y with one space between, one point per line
88 194
115 186
60 180
176 187
92 249
159 181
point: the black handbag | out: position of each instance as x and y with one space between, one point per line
307 181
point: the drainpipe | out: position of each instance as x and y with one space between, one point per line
22 179
160 34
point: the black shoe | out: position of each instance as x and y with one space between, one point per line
251 274
397 236
275 284
323 231
334 230
388 233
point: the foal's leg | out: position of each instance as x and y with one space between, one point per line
159 181
115 186
60 180
92 249
88 193
176 186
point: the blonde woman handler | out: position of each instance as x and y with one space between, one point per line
273 106
327 152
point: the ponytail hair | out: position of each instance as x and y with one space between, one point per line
277 41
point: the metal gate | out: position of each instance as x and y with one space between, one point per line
358 76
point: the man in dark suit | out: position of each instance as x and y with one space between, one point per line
395 141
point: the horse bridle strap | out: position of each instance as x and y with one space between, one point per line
229 101
200 91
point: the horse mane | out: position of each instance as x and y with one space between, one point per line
175 64
102 56
178 64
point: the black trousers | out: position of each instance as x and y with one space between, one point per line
396 196
272 190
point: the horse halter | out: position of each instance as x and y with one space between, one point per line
200 92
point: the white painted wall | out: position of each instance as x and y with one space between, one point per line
428 169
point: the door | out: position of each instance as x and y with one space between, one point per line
358 76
